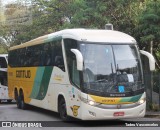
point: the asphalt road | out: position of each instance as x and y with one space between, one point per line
10 112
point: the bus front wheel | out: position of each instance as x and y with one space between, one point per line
63 110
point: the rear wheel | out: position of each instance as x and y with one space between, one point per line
21 104
16 97
63 110
18 102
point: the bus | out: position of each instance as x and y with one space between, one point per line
3 78
89 74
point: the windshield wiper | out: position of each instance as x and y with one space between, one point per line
101 80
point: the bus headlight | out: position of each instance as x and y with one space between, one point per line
92 103
142 100
89 102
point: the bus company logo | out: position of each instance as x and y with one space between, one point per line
23 73
118 95
118 106
58 77
75 110
108 101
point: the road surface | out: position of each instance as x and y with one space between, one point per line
10 112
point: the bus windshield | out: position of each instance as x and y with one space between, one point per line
113 70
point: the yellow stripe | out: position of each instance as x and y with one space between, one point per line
106 100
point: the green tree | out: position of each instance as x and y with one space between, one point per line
53 15
12 26
3 49
148 28
139 18
47 17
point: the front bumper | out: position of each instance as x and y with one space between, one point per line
95 113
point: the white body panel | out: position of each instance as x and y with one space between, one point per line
107 36
3 88
3 92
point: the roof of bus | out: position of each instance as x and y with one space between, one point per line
87 35
3 55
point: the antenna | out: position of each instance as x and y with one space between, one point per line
109 26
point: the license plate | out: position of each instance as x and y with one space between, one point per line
118 114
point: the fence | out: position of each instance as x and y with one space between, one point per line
152 83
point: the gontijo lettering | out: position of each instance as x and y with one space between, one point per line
23 73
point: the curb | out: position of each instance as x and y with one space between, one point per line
153 115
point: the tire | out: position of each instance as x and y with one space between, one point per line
23 105
9 101
17 98
63 110
18 101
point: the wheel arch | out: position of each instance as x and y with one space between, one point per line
60 96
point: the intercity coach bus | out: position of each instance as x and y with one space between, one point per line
3 78
82 73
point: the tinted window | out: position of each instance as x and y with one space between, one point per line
33 55
3 78
47 54
71 61
3 63
57 55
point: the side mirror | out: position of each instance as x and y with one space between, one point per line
79 59
151 59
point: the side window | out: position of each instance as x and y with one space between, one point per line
11 58
36 55
47 54
21 57
3 78
17 58
57 56
71 61
27 61
33 55
3 62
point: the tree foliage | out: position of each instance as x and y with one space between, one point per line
148 27
139 18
